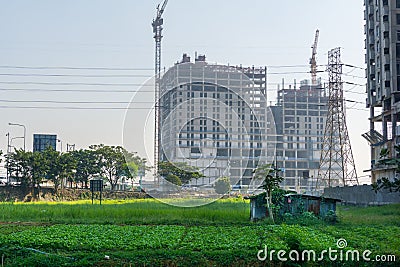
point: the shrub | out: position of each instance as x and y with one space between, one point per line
331 217
172 178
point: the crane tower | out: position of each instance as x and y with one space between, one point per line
157 25
313 60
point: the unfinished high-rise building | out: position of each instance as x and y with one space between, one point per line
215 117
382 43
300 117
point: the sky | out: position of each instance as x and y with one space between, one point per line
72 39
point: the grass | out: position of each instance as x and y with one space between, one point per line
141 211
147 232
381 215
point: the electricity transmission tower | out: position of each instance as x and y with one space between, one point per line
336 163
157 23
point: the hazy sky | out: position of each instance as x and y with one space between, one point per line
118 34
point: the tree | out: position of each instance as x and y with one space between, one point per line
172 178
85 162
28 168
134 164
222 185
184 171
112 163
271 182
67 167
52 158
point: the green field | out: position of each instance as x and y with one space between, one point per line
150 233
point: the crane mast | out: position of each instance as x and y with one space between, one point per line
157 24
313 60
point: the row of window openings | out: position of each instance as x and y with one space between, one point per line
216 123
224 144
218 129
319 126
215 109
242 137
220 136
303 141
215 102
302 132
214 116
201 94
303 113
303 146
289 119
229 116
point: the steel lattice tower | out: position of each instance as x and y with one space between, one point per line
336 163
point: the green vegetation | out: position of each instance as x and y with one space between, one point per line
172 178
112 163
271 180
181 170
149 233
370 216
393 185
139 211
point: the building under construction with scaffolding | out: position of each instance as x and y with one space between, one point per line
215 117
382 43
300 117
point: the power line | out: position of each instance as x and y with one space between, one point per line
361 109
291 72
72 68
354 76
353 101
77 108
71 83
292 66
352 66
72 90
74 102
136 69
75 75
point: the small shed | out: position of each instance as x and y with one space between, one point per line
294 204
258 209
298 203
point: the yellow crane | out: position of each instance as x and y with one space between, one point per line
313 60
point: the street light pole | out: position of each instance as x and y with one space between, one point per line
17 124
8 151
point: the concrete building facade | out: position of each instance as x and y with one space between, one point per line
382 44
300 118
215 117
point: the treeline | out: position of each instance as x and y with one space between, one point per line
112 163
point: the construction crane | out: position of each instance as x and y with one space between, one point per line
313 60
157 24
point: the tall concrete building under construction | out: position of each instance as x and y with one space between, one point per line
300 117
382 43
215 117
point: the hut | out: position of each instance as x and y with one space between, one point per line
298 203
294 204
